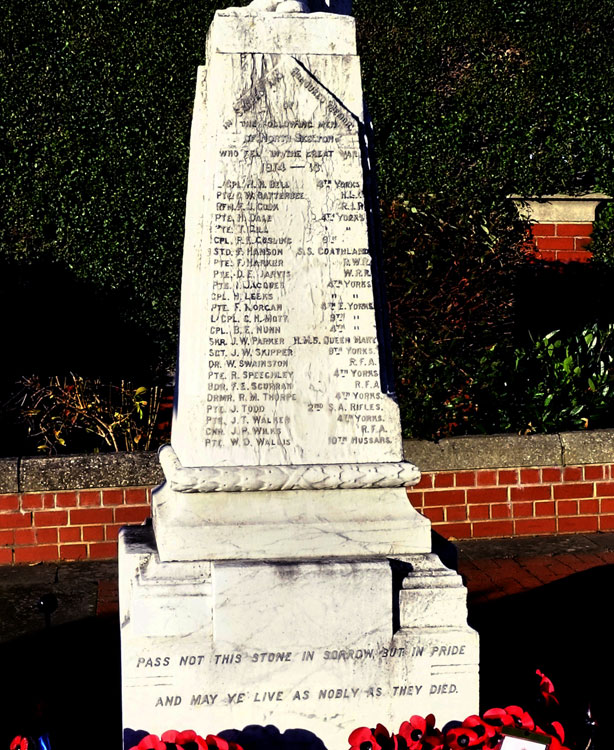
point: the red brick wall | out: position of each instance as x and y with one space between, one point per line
83 524
562 242
517 502
67 525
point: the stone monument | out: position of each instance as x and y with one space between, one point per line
286 579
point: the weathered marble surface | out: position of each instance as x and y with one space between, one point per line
287 524
280 354
310 645
269 478
292 34
273 6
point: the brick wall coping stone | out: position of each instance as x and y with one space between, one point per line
511 451
84 471
141 469
9 475
557 209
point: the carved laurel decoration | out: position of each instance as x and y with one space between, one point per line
271 478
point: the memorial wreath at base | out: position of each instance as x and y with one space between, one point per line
509 728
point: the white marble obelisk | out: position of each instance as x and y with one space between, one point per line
288 580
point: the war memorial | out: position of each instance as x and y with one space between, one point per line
286 580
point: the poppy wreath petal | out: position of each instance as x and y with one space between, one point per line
151 742
382 732
363 739
214 742
433 741
555 744
19 743
546 688
385 739
170 736
521 717
482 728
356 737
461 738
420 723
189 737
413 732
496 725
559 732
498 717
403 739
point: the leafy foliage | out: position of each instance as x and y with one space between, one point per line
602 244
95 102
552 383
558 382
74 413
471 101
489 97
451 279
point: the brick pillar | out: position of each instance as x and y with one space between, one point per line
561 225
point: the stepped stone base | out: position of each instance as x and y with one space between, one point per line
322 646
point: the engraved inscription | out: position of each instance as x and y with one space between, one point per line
250 677
319 694
292 350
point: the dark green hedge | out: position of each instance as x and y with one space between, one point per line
96 104
471 100
485 98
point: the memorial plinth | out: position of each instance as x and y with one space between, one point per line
286 579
